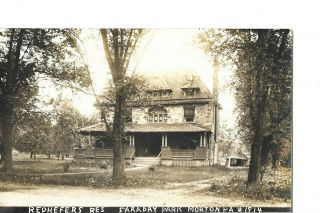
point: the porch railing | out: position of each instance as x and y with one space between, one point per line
79 153
182 154
93 153
103 153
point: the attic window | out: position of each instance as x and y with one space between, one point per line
190 91
160 93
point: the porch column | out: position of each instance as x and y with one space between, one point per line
132 139
201 143
162 140
90 139
165 139
205 140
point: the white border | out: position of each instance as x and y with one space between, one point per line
300 16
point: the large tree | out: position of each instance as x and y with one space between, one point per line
119 46
262 60
26 55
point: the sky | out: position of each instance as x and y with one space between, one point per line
161 51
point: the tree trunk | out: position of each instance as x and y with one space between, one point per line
276 157
255 165
261 98
7 148
265 150
31 155
7 129
34 155
118 160
254 174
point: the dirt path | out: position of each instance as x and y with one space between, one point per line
171 195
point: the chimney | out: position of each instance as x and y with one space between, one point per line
215 124
215 90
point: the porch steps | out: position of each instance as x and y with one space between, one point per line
146 161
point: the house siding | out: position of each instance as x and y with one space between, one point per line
204 115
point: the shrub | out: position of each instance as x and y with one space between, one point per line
66 167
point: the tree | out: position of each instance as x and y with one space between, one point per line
119 45
34 134
26 55
263 83
67 121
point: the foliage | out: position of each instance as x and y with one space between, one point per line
277 183
227 139
34 134
262 60
67 121
26 56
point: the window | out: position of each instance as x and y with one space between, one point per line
160 93
190 91
157 115
189 113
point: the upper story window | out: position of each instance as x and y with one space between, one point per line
190 91
160 93
157 115
189 113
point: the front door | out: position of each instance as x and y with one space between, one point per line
147 144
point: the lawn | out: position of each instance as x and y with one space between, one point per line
52 171
225 182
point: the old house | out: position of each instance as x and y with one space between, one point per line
178 125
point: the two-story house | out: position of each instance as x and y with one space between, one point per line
178 125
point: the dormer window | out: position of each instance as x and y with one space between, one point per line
160 93
189 92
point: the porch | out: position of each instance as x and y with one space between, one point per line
168 144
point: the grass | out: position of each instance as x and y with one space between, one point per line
226 182
38 166
275 184
36 171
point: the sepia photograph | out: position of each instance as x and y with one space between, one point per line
169 118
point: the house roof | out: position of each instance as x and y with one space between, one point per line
176 81
93 129
149 127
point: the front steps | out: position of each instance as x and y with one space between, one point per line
146 161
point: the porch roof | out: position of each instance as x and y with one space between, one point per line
150 127
93 129
164 127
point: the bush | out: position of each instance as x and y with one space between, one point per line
66 167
